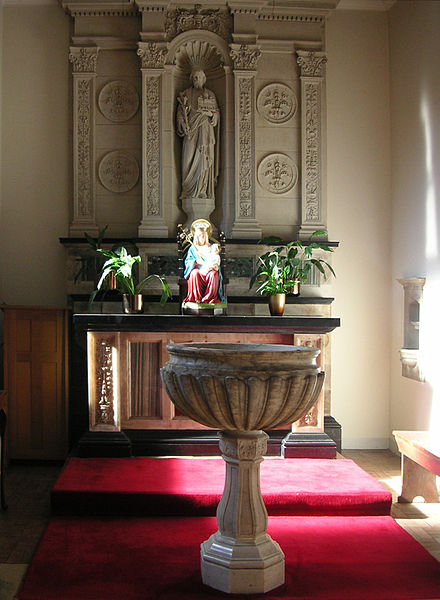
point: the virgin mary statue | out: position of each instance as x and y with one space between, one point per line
197 122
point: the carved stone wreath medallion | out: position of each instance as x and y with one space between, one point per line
118 171
118 101
276 103
277 173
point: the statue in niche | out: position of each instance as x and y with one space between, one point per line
198 124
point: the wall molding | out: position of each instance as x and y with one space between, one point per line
378 5
30 3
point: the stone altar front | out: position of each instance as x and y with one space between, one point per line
128 410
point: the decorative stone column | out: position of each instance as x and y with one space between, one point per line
152 55
313 205
83 60
245 57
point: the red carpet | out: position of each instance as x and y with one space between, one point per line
327 558
192 487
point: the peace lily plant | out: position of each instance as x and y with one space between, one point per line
119 269
281 269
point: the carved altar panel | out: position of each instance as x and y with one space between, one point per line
313 421
103 372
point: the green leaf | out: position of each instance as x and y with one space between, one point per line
272 239
319 232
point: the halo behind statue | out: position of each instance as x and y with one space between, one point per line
201 224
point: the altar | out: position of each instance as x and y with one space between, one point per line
183 114
128 411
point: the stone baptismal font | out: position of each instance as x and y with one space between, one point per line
242 389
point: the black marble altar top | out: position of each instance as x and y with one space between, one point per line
232 324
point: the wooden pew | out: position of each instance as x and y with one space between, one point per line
420 464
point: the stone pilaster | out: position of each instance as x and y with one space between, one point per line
83 61
152 55
245 58
313 206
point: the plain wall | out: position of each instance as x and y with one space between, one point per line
415 128
36 154
359 211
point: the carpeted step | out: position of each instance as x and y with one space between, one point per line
327 558
193 487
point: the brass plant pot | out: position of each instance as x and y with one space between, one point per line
276 305
132 303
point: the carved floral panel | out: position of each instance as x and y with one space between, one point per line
118 101
276 103
277 173
118 171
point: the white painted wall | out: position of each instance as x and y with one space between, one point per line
359 210
415 128
35 165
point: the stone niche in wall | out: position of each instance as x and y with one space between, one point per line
265 63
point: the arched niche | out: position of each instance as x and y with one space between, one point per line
207 51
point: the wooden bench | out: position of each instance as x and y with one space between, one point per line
420 464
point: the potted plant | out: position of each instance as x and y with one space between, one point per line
282 270
119 265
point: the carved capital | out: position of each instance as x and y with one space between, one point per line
83 59
152 55
311 63
245 56
214 20
242 447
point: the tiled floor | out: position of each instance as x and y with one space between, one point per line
21 525
28 487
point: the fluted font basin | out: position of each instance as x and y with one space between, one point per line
242 389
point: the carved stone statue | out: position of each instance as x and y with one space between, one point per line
198 124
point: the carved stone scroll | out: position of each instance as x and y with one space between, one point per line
313 207
245 59
152 57
84 80
103 386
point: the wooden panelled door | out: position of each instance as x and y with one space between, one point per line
36 379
